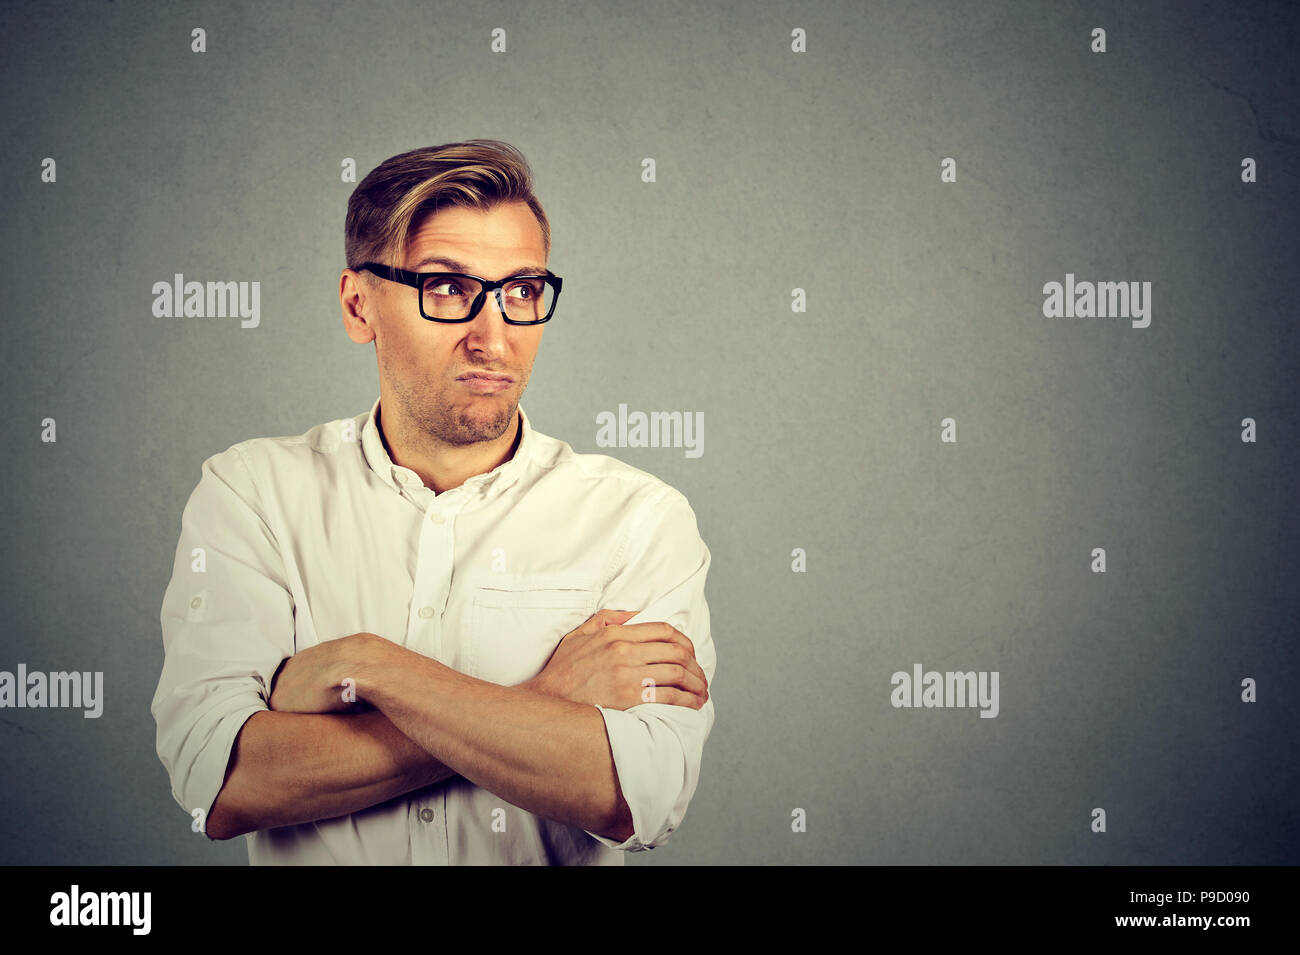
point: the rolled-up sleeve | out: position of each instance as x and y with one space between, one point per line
658 747
227 623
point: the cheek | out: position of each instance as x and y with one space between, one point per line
527 356
406 349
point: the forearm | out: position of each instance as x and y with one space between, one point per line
289 768
546 755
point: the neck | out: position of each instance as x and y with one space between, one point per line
442 466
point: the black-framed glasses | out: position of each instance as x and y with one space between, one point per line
457 297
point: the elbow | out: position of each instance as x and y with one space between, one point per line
223 823
620 831
619 825
236 808
218 829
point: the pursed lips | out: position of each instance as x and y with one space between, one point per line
485 382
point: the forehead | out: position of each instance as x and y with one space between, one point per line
502 239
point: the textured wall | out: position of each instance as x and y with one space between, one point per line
948 457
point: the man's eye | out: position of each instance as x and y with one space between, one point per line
529 289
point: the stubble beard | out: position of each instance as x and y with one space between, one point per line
442 420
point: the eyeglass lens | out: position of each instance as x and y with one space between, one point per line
526 299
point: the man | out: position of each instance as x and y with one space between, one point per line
429 634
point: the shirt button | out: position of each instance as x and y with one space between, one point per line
437 518
196 603
426 612
426 815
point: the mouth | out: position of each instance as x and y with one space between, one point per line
485 383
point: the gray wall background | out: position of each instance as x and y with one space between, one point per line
776 170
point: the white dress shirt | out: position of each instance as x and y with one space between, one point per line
287 542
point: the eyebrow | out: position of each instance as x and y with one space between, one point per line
462 267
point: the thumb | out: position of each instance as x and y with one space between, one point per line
605 618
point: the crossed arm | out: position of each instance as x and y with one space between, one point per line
541 745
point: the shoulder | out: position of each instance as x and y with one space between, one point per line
322 447
602 477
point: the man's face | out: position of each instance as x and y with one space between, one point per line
424 362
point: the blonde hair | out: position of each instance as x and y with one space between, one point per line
389 205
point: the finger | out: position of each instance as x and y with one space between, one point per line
694 667
673 674
671 695
655 630
605 618
663 652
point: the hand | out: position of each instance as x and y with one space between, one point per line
605 662
312 681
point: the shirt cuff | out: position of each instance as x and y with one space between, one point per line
654 774
201 785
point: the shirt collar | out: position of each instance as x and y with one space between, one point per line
493 482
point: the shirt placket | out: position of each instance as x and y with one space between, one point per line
435 558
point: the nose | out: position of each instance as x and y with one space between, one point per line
489 325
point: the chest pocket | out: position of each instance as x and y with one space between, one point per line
516 622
